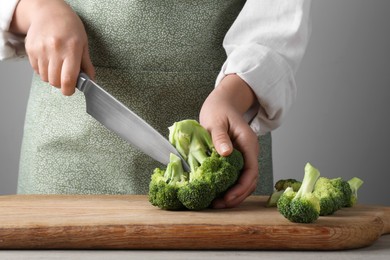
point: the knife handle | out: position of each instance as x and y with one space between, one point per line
81 81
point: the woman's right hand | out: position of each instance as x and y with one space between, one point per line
56 41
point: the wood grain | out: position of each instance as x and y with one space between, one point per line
131 222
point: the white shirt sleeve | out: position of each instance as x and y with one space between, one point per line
11 45
264 47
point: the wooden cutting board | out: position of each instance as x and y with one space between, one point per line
131 222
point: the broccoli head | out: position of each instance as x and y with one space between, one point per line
210 176
301 206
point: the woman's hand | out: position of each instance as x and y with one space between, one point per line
56 41
222 115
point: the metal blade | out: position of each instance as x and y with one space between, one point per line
117 117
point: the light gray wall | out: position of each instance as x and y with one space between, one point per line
339 122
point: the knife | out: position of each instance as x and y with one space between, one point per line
117 117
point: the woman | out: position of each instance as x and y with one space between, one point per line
166 60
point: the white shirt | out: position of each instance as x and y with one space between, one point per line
264 46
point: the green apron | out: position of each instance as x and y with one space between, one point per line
158 57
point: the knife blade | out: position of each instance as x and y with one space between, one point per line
115 116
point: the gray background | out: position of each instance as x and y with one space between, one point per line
339 122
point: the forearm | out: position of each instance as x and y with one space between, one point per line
264 47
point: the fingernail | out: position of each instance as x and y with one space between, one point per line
224 147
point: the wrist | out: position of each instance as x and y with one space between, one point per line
237 91
21 18
26 10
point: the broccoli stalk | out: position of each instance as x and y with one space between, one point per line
211 174
192 141
355 183
301 206
272 200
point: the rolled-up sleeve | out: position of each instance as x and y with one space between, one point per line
264 47
11 45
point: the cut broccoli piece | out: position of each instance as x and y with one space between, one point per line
345 191
355 183
211 174
273 198
280 187
301 206
285 183
330 197
333 194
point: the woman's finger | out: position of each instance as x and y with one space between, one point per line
86 63
70 71
43 69
54 72
221 140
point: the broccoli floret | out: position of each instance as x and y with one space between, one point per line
345 191
301 206
197 195
333 194
211 174
355 183
280 187
285 183
272 200
331 198
221 172
165 184
235 159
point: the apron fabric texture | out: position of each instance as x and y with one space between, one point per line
158 57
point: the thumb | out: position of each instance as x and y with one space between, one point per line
221 141
86 64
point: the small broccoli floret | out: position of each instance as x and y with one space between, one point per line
165 185
284 202
285 183
272 200
333 194
211 174
301 206
345 191
355 183
330 197
280 187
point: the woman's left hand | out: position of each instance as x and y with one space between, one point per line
222 115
